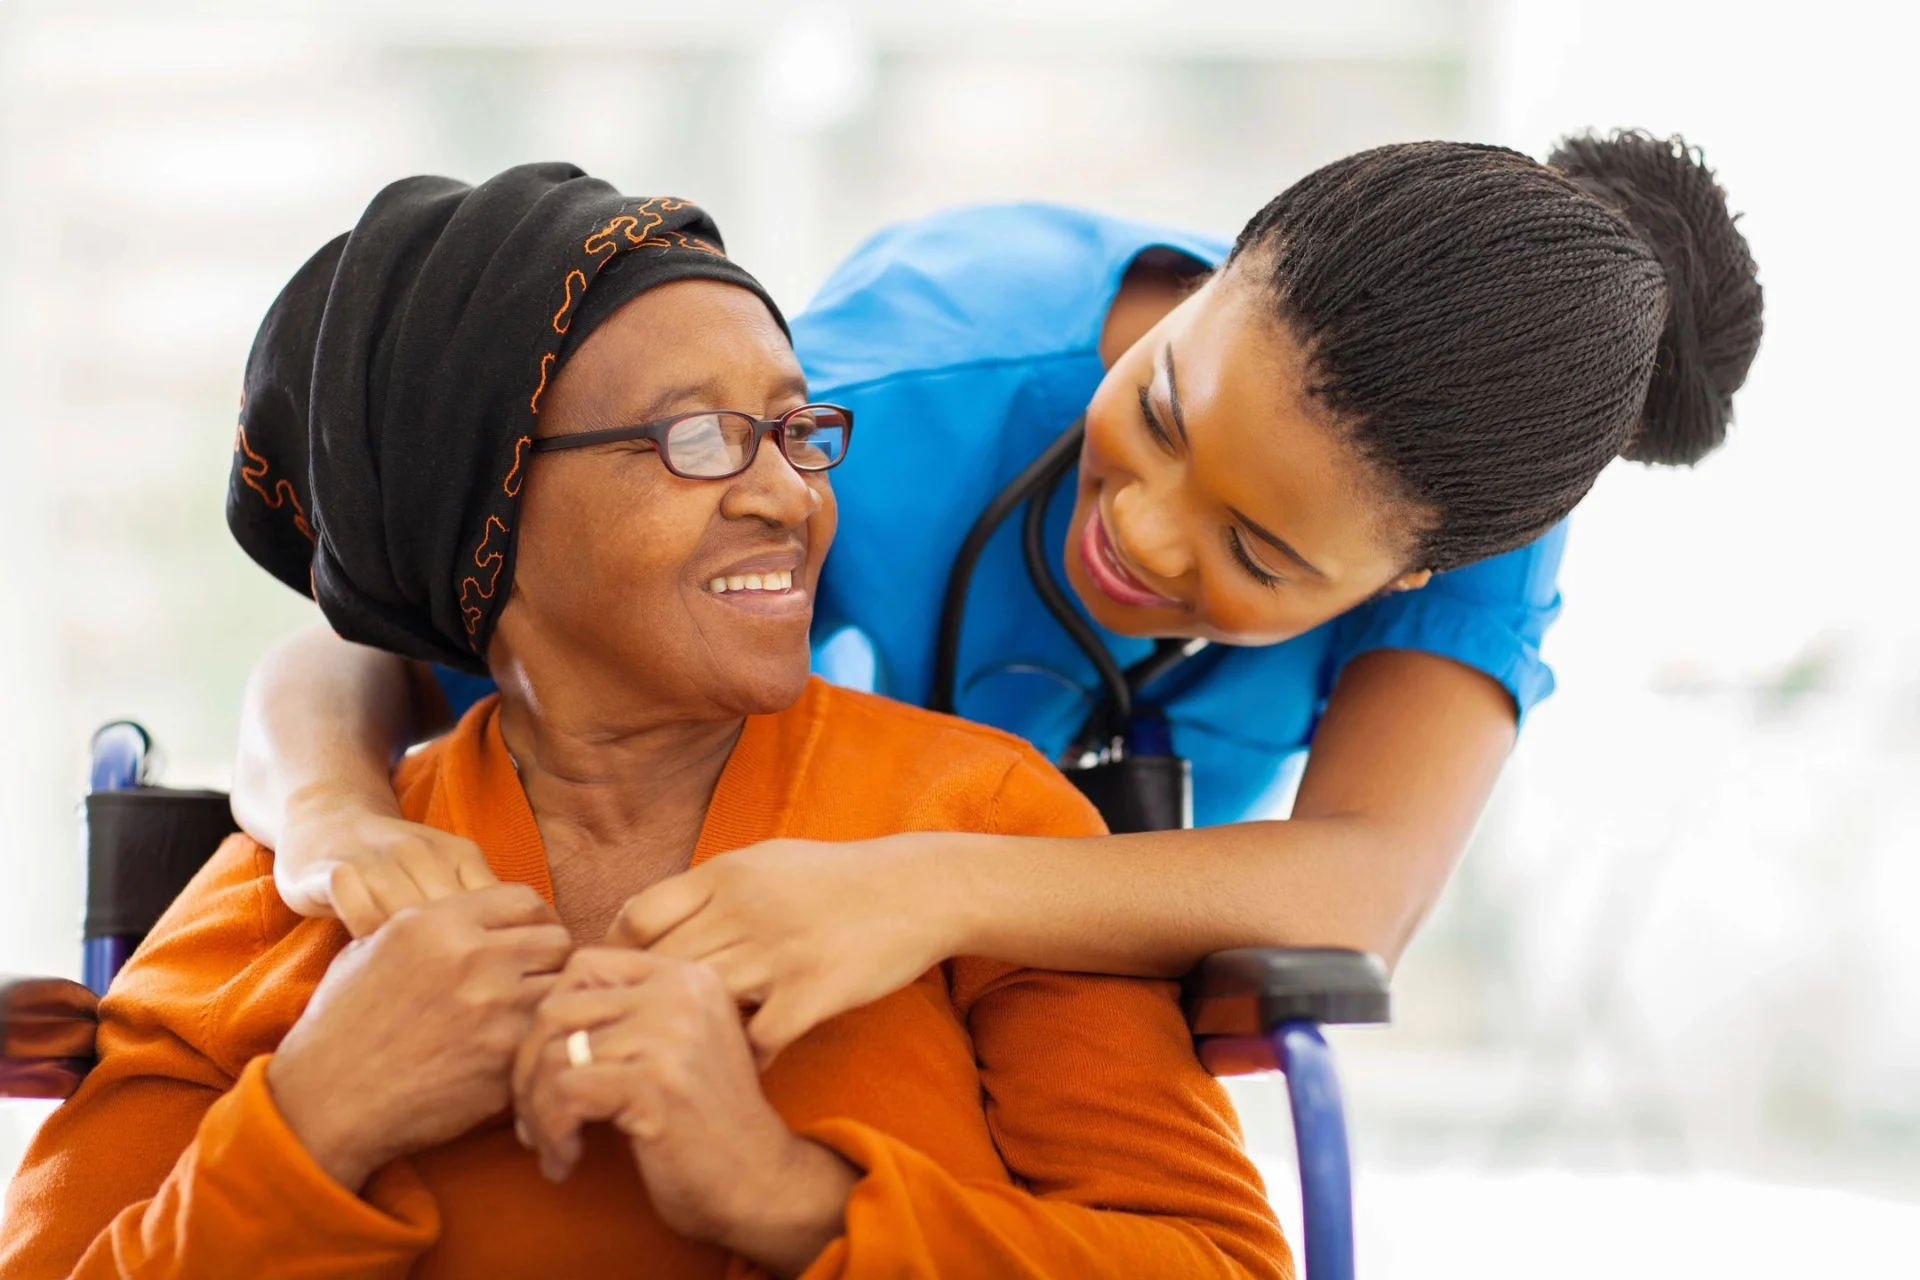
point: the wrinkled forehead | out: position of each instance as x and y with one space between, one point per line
690 344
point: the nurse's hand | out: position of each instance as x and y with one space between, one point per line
364 868
801 930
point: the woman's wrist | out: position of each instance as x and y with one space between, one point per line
322 1125
796 1208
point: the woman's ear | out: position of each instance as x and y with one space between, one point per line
1411 581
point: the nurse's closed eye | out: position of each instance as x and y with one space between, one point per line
1266 578
1152 419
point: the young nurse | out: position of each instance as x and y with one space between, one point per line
1341 450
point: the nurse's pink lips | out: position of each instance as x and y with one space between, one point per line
1110 574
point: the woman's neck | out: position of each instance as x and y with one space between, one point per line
619 807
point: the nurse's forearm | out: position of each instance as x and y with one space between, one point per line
1155 904
319 727
1402 765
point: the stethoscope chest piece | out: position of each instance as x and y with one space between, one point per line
1136 792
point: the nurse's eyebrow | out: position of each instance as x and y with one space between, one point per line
1173 393
1277 542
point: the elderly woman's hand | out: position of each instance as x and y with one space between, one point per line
664 1060
803 930
407 1041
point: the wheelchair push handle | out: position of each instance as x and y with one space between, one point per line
142 844
123 757
1260 1009
1251 991
121 761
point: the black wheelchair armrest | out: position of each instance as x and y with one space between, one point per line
47 1027
1236 1000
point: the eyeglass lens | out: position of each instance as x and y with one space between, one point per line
717 444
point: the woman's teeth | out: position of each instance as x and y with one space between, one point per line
782 581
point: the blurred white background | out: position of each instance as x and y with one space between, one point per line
1668 1017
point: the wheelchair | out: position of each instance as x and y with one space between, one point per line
1252 1009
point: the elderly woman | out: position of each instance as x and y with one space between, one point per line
436 443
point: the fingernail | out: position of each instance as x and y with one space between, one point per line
520 1131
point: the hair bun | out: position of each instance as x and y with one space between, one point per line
1664 188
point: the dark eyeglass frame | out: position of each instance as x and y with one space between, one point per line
655 433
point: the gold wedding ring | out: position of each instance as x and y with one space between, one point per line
579 1049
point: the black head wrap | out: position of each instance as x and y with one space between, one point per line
394 385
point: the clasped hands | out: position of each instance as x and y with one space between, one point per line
452 1010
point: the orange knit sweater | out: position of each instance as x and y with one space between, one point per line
1009 1122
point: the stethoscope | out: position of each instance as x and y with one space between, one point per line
1122 758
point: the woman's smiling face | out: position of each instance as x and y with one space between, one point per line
1214 500
617 558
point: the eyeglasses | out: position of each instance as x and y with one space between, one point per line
716 444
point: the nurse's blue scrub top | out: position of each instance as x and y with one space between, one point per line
966 342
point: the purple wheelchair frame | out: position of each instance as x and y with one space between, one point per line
1250 1010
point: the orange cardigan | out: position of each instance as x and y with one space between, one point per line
1009 1122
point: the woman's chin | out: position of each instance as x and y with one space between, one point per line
764 686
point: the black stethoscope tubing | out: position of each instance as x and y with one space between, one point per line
946 655
1035 486
1117 708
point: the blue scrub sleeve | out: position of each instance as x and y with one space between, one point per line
1489 616
462 690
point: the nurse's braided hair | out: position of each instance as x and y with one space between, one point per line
1490 332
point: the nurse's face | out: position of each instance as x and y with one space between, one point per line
1215 500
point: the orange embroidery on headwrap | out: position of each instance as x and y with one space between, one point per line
621 226
491 561
603 246
628 226
680 240
280 494
514 478
546 362
561 320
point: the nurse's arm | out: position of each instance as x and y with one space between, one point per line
321 723
1402 764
